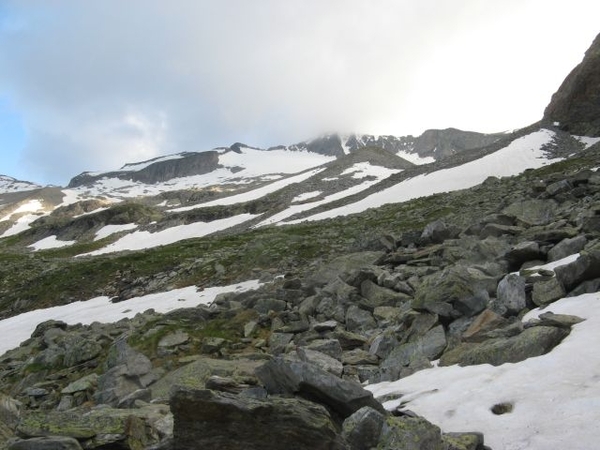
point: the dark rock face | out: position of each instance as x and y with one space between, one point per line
208 419
195 163
576 104
443 143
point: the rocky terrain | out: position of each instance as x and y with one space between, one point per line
358 299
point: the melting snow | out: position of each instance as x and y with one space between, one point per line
587 140
523 153
139 240
15 330
107 230
306 196
50 242
253 194
415 158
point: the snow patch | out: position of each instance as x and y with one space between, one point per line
15 330
523 153
50 242
107 230
139 240
306 196
415 158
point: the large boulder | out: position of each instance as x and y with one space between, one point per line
209 419
307 380
534 341
576 104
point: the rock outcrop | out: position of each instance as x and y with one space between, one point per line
576 104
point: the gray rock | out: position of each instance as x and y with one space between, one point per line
363 428
586 267
359 357
380 296
307 380
359 319
218 420
342 265
463 441
532 212
511 295
321 360
330 347
383 344
410 433
547 291
264 305
531 342
278 342
174 339
438 231
522 253
46 443
452 293
566 247
87 383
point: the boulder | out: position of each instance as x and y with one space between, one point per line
321 360
547 291
45 443
307 380
532 212
218 420
566 247
584 268
511 298
410 433
363 428
531 342
452 293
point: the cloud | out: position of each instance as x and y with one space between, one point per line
99 84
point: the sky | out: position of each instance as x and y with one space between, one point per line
95 85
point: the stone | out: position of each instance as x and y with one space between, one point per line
532 212
363 428
486 321
250 329
584 268
566 247
359 319
328 325
511 296
307 380
87 383
438 231
383 344
548 291
278 342
330 347
81 350
559 320
452 293
211 344
264 305
531 342
409 433
349 340
380 296
522 253
174 339
196 374
359 357
463 441
321 360
46 443
219 420
101 427
342 265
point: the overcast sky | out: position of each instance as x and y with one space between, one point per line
92 85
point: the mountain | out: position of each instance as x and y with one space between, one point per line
329 294
10 184
575 107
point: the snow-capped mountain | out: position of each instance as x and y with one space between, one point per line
10 184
